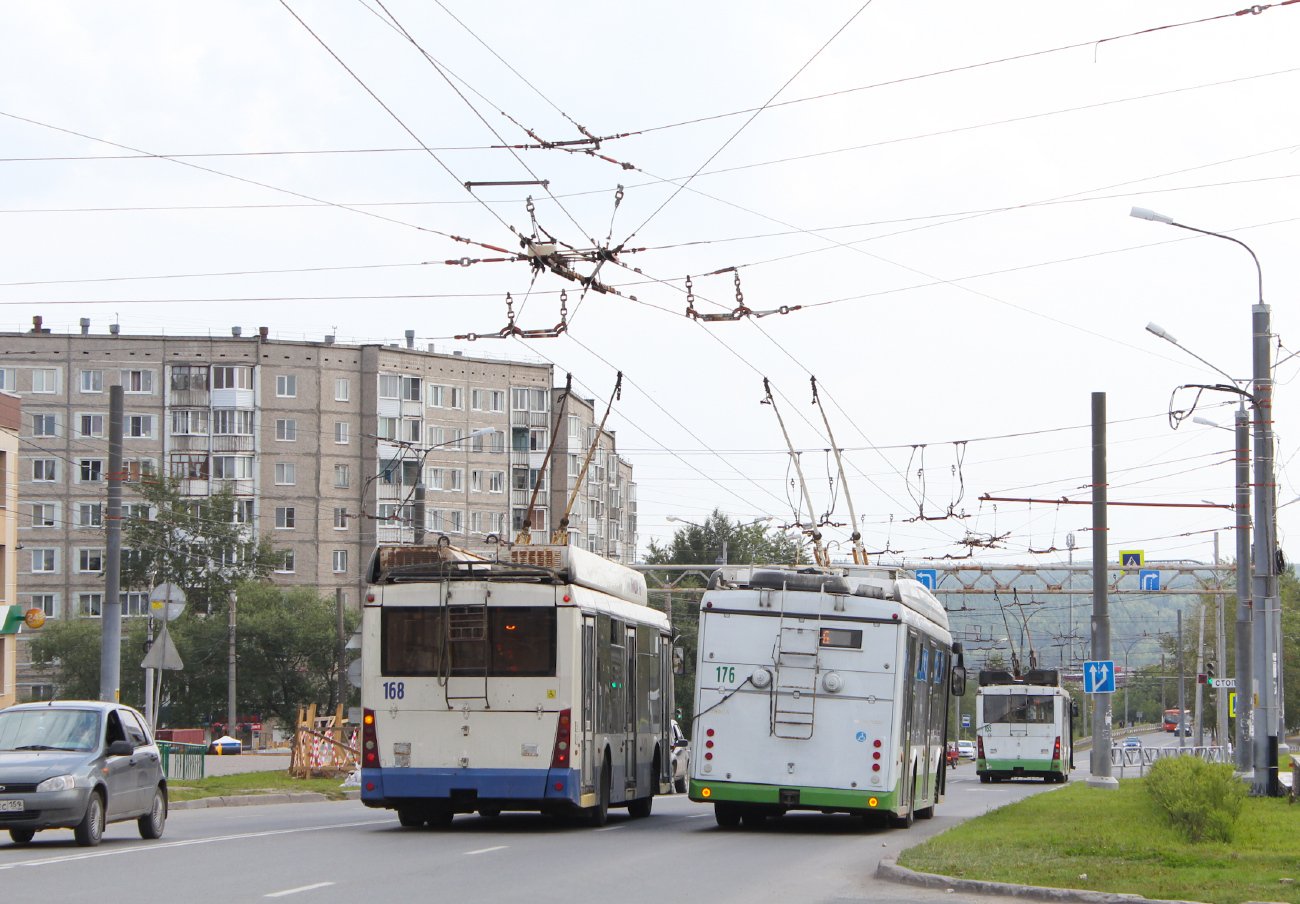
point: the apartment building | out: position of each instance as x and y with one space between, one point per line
602 513
328 448
11 613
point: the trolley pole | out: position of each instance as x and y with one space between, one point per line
1101 773
110 654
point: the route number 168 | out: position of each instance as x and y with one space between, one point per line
394 690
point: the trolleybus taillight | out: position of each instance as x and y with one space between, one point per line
1056 751
560 758
369 740
980 742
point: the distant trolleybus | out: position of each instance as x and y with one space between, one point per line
821 689
535 678
1024 728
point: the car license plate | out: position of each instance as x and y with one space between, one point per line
11 806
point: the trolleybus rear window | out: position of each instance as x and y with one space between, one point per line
841 637
506 642
1034 709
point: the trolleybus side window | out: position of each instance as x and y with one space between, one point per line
520 642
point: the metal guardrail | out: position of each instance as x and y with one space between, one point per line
182 761
1142 757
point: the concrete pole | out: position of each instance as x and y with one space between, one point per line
110 652
1266 584
1200 688
1245 612
1101 772
1182 694
230 672
1220 653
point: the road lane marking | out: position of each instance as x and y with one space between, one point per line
611 828
149 848
294 891
697 816
499 847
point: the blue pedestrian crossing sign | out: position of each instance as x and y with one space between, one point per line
1099 677
1130 558
929 577
1149 579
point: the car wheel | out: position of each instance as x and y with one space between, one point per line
152 823
90 831
22 836
679 785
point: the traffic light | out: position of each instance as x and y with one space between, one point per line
1209 670
1200 679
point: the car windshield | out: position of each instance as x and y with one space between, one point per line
49 729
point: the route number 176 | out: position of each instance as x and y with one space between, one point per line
726 673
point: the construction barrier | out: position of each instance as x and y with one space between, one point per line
182 761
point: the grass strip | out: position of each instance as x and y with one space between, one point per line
1115 841
252 783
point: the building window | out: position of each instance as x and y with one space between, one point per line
575 466
476 481
243 513
140 381
434 478
43 561
390 386
90 561
92 470
90 514
342 390
410 389
190 467
284 517
90 425
44 514
44 425
286 386
286 564
497 442
45 380
232 422
433 520
455 397
286 430
476 522
455 521
46 602
341 433
89 605
388 428
527 479
496 481
340 561
340 518
92 381
519 399
232 378
455 479
480 399
538 439
136 468
134 603
436 394
236 467
190 422
411 429
284 474
45 470
139 426
575 426
8 379
186 377
135 511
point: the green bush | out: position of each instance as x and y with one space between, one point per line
1201 800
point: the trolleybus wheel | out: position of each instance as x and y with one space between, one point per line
754 820
925 812
904 821
640 808
985 778
598 815
440 819
490 812
727 815
410 817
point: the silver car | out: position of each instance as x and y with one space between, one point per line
78 764
681 752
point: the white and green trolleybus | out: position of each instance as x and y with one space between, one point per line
823 689
1023 728
522 678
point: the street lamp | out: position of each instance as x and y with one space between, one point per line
1267 628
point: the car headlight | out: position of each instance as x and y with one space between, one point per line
58 783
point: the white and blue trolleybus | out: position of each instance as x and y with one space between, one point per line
525 678
823 689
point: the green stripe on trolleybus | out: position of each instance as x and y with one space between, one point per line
809 798
1027 765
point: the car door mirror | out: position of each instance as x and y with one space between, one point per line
958 681
120 748
681 742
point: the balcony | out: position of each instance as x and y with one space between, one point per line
189 398
229 443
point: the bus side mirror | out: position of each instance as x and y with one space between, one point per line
679 661
958 681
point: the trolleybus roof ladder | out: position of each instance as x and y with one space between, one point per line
465 641
798 665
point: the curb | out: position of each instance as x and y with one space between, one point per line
257 800
890 871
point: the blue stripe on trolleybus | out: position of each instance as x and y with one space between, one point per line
492 784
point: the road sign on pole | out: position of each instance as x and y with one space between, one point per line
928 576
965 720
1131 558
1099 677
1229 683
1149 579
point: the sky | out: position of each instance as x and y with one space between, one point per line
941 189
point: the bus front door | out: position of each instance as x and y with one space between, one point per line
589 699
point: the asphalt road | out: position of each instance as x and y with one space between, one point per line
342 852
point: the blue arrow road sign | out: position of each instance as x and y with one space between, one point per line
1099 677
928 576
1149 579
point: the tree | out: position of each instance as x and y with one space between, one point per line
702 545
201 544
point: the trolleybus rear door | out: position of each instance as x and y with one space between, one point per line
629 728
588 703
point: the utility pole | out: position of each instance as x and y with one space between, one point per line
1220 654
1101 772
342 652
1245 611
1266 583
1200 688
230 673
110 611
1182 699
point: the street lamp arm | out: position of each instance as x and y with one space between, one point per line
1218 235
